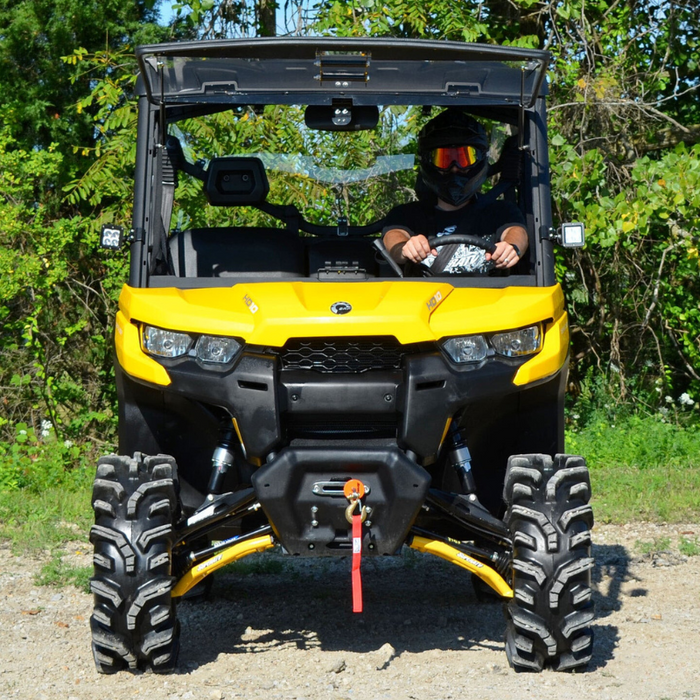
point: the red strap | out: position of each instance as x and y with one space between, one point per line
356 561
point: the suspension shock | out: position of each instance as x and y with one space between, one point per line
461 460
221 460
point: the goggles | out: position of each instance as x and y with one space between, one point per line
461 156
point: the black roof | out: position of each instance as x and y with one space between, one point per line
319 70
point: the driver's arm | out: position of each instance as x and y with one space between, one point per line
402 246
510 248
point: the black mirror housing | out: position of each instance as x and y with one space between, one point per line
334 118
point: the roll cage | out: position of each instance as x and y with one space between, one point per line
185 80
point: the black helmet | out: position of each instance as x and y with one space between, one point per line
453 128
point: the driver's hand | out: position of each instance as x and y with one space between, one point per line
416 249
504 256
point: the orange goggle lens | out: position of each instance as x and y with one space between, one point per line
461 156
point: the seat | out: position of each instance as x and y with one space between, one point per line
248 253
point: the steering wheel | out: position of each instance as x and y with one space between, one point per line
459 239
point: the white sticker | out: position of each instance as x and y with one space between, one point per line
250 304
473 562
208 563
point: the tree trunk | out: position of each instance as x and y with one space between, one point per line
267 20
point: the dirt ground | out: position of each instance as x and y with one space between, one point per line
292 635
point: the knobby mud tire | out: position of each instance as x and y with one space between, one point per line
133 622
548 620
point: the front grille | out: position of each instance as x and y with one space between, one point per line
348 355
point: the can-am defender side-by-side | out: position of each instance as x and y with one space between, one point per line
283 382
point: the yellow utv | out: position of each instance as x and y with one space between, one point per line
283 382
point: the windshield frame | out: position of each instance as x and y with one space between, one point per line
317 70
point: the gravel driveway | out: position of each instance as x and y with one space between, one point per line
423 634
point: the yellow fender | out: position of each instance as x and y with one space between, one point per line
445 551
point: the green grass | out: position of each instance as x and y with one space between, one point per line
660 544
45 487
33 521
57 573
641 468
691 548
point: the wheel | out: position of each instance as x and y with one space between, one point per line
133 622
548 619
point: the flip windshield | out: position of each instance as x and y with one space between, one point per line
357 176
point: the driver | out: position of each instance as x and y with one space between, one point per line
452 150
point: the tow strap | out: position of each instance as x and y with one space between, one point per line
356 561
355 514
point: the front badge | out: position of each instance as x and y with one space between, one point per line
341 308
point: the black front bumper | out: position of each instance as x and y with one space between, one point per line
300 491
415 402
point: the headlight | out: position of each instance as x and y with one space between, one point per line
525 341
215 349
162 343
470 348
474 348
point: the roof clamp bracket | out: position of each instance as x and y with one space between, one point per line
340 70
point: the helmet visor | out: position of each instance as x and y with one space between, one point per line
461 156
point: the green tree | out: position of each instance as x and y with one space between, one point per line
55 292
623 96
37 89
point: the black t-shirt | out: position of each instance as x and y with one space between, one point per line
488 221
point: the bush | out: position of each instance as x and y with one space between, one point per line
38 462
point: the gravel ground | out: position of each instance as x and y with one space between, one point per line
423 633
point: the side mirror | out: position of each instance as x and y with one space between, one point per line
572 235
348 118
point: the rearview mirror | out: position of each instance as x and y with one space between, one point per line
349 118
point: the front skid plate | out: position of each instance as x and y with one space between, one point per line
311 521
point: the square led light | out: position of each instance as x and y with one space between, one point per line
573 235
111 237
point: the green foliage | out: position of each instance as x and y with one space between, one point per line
643 467
33 519
57 572
633 291
689 547
39 90
660 544
54 305
36 461
434 19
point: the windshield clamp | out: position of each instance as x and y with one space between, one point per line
342 69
